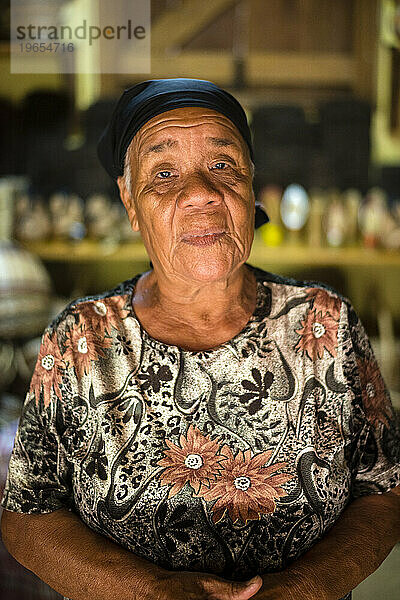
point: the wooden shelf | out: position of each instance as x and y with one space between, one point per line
90 251
87 251
308 256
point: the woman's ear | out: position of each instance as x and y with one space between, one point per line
128 202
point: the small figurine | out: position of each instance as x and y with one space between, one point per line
102 218
58 205
352 201
372 216
33 222
75 213
335 220
390 234
295 207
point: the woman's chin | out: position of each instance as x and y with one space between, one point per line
206 269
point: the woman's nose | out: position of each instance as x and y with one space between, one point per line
198 190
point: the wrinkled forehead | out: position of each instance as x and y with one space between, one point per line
178 124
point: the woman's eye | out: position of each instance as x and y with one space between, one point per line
220 166
164 174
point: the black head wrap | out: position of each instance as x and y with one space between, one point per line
140 103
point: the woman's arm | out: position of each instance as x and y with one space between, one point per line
74 560
83 565
354 547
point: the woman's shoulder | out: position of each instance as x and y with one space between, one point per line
283 284
116 299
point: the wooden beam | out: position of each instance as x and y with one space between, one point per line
263 68
177 26
365 41
294 68
214 66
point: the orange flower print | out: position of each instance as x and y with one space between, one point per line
318 333
375 401
117 309
323 302
246 488
119 304
82 347
48 371
102 315
195 462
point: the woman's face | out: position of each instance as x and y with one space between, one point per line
191 195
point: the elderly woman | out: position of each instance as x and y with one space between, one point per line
205 430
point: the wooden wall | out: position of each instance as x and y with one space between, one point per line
324 46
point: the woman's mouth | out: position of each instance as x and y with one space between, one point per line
203 240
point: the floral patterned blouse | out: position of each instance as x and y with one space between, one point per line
232 461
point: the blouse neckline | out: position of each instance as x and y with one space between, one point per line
255 317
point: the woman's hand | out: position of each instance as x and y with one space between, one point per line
188 585
286 585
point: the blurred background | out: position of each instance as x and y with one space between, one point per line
320 81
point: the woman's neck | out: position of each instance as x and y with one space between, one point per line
200 306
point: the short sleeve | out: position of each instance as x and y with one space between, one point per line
374 425
39 478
